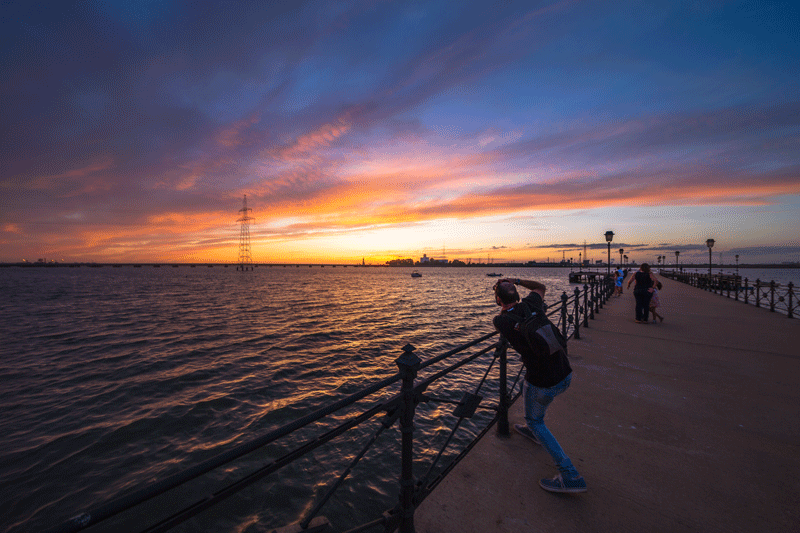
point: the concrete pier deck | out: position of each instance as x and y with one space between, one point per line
685 426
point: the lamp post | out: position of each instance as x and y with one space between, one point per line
737 265
677 253
626 259
710 244
609 237
620 255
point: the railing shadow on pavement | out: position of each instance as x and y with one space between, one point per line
416 408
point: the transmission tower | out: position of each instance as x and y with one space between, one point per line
245 259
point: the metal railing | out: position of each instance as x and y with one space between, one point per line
777 297
390 406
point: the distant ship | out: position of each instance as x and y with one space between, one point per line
416 274
493 275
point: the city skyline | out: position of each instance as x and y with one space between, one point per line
502 131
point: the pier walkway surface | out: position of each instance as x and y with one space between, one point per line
692 424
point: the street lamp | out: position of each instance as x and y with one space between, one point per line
677 253
620 255
710 244
737 265
609 237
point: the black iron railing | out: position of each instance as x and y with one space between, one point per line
777 297
390 406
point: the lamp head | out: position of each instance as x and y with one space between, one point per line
710 243
609 236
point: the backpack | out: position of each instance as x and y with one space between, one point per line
542 336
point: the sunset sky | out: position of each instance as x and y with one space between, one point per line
501 130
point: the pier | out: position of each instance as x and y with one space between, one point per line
689 425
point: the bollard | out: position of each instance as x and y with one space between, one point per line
408 363
503 402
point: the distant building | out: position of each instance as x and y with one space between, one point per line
424 258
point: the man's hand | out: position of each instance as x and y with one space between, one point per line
531 285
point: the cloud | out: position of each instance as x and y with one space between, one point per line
350 115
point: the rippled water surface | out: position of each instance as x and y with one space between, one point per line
115 377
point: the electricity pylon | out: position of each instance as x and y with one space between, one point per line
245 259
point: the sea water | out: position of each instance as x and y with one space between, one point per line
113 378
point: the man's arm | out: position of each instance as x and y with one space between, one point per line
531 285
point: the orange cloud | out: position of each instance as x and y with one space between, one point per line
234 135
323 136
86 178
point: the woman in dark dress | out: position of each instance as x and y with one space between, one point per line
643 281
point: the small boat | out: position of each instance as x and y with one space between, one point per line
416 274
493 275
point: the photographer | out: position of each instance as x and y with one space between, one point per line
546 377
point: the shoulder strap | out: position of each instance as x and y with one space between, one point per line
526 314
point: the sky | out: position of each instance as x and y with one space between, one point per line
481 131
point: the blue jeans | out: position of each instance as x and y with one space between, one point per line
537 399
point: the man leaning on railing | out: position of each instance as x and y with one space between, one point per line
547 376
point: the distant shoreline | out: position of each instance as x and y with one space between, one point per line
417 265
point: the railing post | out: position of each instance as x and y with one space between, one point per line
600 292
564 299
772 296
789 295
502 405
746 290
758 292
586 305
595 305
408 363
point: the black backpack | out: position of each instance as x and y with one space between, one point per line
542 336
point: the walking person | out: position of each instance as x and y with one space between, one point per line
655 302
619 276
546 377
643 281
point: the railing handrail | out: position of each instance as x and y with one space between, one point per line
594 294
721 284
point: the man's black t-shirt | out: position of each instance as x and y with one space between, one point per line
545 371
